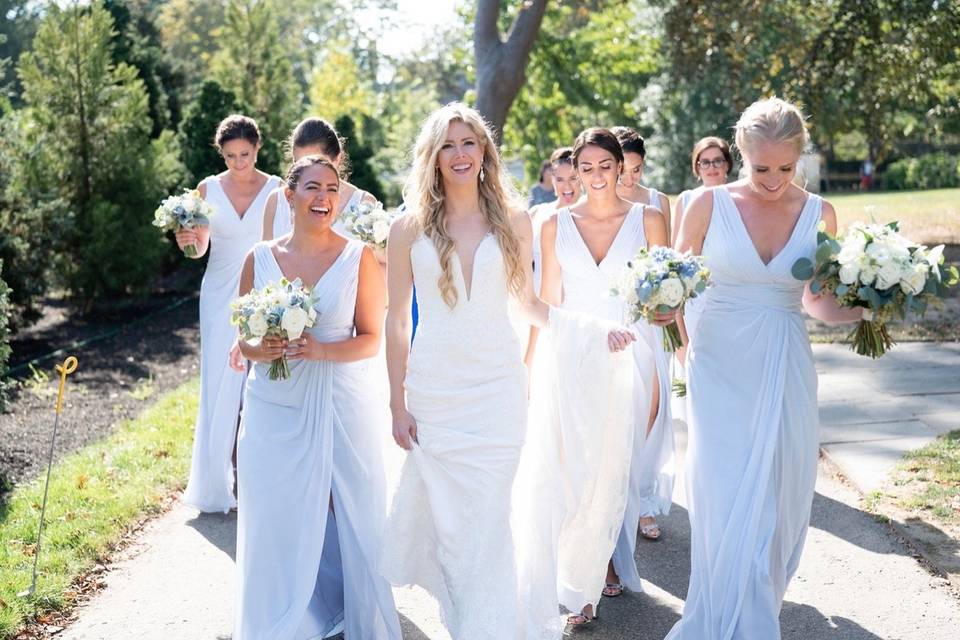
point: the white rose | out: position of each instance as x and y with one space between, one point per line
294 322
888 275
671 292
868 270
257 324
381 229
849 273
913 282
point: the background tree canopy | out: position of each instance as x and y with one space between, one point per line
108 105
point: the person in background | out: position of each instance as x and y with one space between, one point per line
543 190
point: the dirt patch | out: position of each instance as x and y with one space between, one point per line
129 353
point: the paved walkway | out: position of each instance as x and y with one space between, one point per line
856 580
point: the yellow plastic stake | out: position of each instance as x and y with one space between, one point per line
69 366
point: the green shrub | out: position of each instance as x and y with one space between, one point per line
4 340
928 171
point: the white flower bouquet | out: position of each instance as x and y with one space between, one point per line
281 309
661 280
875 267
185 211
369 223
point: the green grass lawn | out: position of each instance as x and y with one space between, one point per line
96 495
931 217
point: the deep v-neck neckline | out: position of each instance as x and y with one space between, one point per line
322 275
613 243
468 291
241 216
746 232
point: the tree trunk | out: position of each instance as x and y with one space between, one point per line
500 63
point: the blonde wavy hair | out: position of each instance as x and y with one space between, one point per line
425 196
772 120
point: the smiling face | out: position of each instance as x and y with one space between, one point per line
239 155
598 171
632 170
566 184
461 154
771 167
316 196
712 167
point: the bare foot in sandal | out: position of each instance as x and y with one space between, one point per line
649 528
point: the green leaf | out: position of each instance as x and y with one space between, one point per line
802 269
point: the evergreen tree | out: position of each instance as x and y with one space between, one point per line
86 144
254 63
200 121
362 173
137 42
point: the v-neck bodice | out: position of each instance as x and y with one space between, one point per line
231 236
586 284
739 275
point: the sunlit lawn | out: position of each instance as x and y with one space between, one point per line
930 217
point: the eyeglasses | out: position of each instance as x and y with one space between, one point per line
716 163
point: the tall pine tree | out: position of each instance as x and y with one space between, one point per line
87 144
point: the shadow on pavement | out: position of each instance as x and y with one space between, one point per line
666 562
803 622
220 530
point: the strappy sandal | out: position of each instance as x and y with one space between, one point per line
581 619
612 590
651 531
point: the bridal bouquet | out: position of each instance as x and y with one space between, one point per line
281 309
186 211
660 280
369 223
874 267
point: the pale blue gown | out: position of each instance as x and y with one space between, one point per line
306 442
752 455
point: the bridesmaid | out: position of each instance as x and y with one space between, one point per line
752 455
652 475
711 161
585 249
634 158
313 136
312 487
238 196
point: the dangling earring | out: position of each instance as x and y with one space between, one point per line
483 176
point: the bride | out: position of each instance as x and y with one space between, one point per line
458 396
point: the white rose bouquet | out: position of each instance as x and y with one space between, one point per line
283 310
874 267
185 211
369 223
661 280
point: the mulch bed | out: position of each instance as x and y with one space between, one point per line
128 355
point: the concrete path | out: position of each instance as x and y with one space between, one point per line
856 580
874 411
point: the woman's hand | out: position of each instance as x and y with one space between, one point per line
663 319
619 339
269 349
187 237
235 360
404 428
306 347
682 355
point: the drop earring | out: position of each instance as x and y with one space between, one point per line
483 176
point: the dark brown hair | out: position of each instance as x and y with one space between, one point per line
546 164
295 172
630 141
563 155
597 137
236 127
710 142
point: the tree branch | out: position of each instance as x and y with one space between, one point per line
525 27
485 33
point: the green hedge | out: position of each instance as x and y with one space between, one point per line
929 171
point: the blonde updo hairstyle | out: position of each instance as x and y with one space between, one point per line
424 194
771 120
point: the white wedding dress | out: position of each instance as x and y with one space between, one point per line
210 487
752 454
307 442
572 488
449 527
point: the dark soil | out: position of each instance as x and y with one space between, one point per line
129 352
